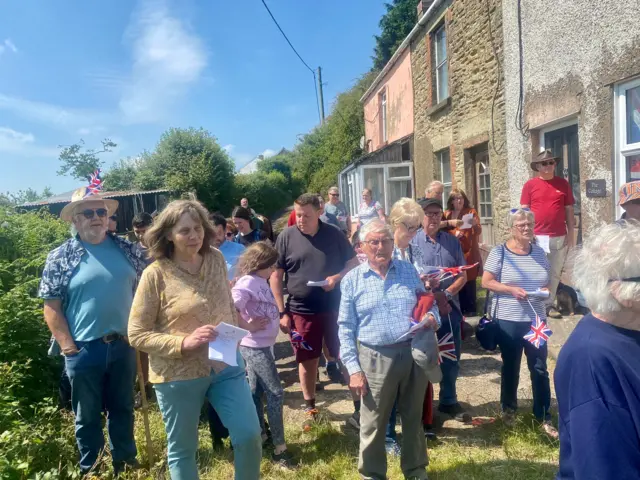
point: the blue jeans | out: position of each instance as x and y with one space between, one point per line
448 395
511 347
102 375
228 392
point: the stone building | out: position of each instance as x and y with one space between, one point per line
572 84
459 111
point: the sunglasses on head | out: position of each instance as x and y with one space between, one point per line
90 213
516 210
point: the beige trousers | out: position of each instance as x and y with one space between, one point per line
391 373
556 256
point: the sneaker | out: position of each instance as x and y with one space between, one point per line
284 460
553 313
429 434
354 420
334 373
456 412
508 418
392 448
549 429
311 415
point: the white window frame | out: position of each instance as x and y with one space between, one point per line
440 62
552 127
448 184
387 179
623 149
382 96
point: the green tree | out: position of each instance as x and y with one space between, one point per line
190 160
395 25
121 176
24 196
80 162
269 192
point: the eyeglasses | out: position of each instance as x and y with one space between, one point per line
629 279
410 228
548 163
516 210
385 242
524 226
90 213
433 214
334 194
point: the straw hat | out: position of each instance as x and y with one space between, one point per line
88 194
543 157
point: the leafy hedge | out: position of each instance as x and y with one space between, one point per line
34 435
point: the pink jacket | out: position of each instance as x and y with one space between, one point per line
253 298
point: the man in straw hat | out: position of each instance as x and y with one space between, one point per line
551 200
88 285
629 200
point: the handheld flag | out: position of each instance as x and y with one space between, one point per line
447 348
443 273
297 339
539 333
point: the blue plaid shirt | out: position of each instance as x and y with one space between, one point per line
376 311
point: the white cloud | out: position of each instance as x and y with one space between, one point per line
53 115
167 59
7 44
19 143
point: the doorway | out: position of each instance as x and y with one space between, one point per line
478 183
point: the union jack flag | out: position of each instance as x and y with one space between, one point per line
442 273
539 333
447 348
297 339
95 183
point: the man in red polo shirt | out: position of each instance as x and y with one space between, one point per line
551 200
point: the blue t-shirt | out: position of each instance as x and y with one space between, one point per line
597 381
100 292
231 251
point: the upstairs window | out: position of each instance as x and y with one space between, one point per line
383 115
440 57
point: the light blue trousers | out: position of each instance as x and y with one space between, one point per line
228 392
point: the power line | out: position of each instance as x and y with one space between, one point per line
315 86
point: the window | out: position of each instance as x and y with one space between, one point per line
373 178
399 183
443 172
441 73
627 108
383 115
484 188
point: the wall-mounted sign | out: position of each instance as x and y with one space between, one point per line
596 188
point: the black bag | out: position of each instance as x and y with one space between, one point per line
487 328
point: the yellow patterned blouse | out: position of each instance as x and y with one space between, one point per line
170 303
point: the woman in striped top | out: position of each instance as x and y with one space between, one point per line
513 271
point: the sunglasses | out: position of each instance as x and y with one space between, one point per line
90 213
630 279
334 194
548 163
410 228
113 217
229 234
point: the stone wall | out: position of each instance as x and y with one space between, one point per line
574 52
466 120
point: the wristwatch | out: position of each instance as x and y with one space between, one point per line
448 295
282 314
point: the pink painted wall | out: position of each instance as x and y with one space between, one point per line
399 87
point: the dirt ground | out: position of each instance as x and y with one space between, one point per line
478 388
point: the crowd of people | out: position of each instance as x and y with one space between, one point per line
382 297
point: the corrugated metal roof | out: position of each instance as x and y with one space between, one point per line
66 197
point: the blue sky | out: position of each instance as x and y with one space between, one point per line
128 70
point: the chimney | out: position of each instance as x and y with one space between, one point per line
423 6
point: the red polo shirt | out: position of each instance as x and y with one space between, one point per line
547 200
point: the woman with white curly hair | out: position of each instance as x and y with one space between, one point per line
597 377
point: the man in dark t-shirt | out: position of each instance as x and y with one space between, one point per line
311 251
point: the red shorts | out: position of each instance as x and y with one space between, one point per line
307 334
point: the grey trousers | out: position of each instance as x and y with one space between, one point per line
391 372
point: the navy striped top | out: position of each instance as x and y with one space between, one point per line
529 272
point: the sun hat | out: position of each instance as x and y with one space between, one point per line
90 193
629 191
543 157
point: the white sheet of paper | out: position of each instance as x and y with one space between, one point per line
467 221
539 293
543 242
411 331
319 283
225 346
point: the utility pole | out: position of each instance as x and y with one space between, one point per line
321 95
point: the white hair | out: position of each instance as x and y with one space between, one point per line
611 253
434 185
519 214
375 226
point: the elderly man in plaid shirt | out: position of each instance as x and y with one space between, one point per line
377 301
